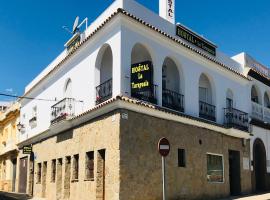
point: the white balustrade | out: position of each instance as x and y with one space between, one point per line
266 114
257 111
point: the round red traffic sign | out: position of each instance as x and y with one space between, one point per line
163 147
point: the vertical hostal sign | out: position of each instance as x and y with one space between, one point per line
141 77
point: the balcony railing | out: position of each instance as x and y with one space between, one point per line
234 118
104 91
266 114
260 112
207 111
257 111
172 100
62 110
148 95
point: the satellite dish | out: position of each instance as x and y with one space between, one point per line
75 25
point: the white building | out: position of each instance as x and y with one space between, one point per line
191 77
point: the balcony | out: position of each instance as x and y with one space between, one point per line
148 95
104 91
257 111
172 100
266 114
62 110
260 112
33 122
234 118
207 111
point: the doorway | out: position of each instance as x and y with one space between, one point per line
234 172
44 179
100 191
259 164
23 175
14 171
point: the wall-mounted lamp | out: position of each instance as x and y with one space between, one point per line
20 127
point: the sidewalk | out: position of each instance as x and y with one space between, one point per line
251 197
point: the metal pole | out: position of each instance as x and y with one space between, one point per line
163 178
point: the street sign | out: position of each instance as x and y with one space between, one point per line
163 147
27 150
164 150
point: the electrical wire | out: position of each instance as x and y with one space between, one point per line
23 97
31 98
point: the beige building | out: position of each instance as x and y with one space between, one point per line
8 149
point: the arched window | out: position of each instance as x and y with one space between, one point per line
206 108
170 76
142 84
171 86
254 95
229 99
103 74
205 90
140 54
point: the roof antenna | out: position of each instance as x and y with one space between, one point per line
74 28
66 29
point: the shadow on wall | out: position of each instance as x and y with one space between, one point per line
64 136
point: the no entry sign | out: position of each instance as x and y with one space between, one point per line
163 147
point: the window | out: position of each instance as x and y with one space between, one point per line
33 120
89 165
215 168
53 171
229 103
39 173
203 94
34 111
75 175
181 158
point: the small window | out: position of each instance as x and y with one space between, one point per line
75 167
215 168
89 165
39 173
53 175
181 158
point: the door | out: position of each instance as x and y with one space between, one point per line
100 191
259 161
14 168
23 175
234 172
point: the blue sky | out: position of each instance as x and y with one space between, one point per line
31 31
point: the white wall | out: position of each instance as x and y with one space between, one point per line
121 34
81 70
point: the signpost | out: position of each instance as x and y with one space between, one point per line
27 149
164 149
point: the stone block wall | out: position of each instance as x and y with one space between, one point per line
140 162
101 133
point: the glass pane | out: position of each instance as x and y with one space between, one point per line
203 93
214 168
